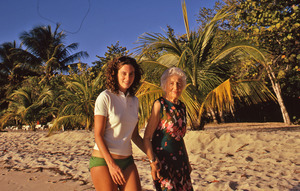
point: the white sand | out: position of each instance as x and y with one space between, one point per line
246 156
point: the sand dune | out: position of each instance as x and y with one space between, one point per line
240 156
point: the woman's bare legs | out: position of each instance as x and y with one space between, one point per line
132 179
102 179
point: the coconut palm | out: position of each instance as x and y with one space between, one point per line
208 85
46 50
12 72
27 106
8 67
78 102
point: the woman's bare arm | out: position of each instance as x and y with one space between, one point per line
151 127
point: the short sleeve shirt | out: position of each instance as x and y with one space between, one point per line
122 116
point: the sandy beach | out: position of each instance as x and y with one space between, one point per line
234 156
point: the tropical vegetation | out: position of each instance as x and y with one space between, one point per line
210 85
242 53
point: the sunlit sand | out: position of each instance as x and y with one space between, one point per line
235 156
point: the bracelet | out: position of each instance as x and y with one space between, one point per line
152 161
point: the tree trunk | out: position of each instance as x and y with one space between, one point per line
232 113
221 114
213 115
277 90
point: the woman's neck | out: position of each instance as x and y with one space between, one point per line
173 100
123 90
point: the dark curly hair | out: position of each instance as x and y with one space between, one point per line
112 74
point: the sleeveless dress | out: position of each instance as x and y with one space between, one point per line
168 146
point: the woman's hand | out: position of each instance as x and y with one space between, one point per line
116 174
155 168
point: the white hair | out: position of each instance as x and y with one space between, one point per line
170 72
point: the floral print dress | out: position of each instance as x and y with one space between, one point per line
168 146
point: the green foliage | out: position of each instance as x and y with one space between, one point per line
34 68
218 62
12 72
112 52
27 106
206 68
291 83
275 27
46 52
77 101
205 15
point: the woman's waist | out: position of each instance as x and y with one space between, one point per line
97 153
167 140
170 146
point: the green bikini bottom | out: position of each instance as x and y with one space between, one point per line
122 163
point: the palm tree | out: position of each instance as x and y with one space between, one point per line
12 72
208 85
78 101
27 106
46 50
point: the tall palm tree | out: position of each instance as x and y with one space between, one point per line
12 72
78 102
46 50
208 85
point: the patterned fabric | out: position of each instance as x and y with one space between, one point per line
168 145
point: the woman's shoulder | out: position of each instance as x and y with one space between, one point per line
108 92
160 99
105 94
157 105
181 104
134 98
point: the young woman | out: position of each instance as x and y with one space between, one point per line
163 139
116 115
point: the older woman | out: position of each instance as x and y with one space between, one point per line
163 139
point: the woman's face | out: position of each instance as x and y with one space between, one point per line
174 86
125 77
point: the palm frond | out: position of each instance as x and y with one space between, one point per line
7 117
249 91
252 92
207 79
147 94
241 50
63 121
158 42
190 99
168 60
185 18
220 98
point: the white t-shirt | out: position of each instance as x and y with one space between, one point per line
122 116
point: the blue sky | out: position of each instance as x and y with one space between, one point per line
106 22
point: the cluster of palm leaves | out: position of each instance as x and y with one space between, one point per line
78 100
209 87
27 107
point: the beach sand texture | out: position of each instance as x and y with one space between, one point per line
235 156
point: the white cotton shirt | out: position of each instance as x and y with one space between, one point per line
122 116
